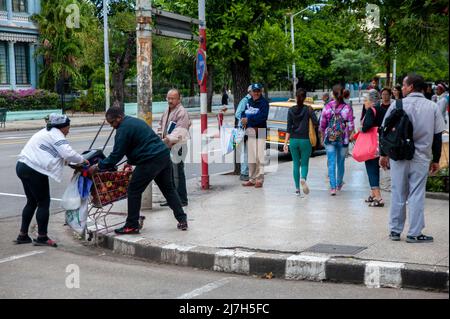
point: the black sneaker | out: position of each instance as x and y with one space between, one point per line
23 239
45 241
419 239
165 204
394 236
126 230
182 226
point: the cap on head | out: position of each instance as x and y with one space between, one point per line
249 89
256 86
57 121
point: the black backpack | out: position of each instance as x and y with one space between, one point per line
396 135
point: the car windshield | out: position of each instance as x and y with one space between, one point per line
277 113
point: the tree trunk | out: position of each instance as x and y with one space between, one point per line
240 74
210 87
123 63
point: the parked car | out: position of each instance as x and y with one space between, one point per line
277 123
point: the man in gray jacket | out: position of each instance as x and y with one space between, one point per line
409 177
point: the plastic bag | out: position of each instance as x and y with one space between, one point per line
77 218
238 136
84 186
71 198
226 139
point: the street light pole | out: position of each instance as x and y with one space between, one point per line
294 77
106 53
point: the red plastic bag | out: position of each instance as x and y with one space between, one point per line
366 146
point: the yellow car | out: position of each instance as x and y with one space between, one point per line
277 122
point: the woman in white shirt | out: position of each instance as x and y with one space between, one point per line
43 156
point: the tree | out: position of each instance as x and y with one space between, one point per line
352 65
61 45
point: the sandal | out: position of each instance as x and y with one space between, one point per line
369 199
44 242
377 203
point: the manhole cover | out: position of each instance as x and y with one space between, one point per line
335 249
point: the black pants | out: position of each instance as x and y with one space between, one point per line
37 190
179 177
160 170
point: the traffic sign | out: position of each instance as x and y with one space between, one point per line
201 66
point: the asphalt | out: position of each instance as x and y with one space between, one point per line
271 232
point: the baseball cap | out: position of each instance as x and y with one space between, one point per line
256 86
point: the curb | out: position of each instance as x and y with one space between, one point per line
373 274
441 196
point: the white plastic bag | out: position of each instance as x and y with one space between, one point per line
226 139
71 198
77 218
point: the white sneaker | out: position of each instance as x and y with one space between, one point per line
297 192
305 187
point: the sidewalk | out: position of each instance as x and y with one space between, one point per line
270 231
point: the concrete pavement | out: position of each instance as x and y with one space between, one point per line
272 232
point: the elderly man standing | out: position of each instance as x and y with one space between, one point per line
174 131
254 119
409 177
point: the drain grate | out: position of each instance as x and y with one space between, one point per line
335 249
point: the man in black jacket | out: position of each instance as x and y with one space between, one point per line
143 148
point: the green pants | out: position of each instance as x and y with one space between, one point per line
301 151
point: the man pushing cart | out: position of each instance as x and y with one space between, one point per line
144 149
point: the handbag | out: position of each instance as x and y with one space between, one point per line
312 131
366 145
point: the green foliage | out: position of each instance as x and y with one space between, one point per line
438 183
93 101
352 65
26 100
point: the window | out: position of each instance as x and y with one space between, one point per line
20 6
3 5
4 65
21 53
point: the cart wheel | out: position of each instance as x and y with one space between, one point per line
141 221
90 236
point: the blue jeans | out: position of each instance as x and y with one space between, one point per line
244 159
336 157
373 172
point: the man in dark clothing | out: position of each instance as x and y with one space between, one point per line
254 119
143 148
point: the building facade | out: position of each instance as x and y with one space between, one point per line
18 43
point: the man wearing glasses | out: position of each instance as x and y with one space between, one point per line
144 149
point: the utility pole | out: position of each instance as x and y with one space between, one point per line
144 74
106 53
294 78
201 70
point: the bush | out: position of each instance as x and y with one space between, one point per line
94 101
439 182
26 100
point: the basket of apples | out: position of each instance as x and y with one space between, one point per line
110 187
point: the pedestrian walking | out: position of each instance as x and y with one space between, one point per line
243 146
409 177
144 149
254 120
442 100
336 125
174 131
42 157
298 138
224 97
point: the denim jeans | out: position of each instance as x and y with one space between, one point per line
244 159
373 172
336 158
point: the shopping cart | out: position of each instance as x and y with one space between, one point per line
108 188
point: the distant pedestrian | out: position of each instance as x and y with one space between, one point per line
42 157
428 92
336 125
297 136
409 177
397 92
374 84
224 97
326 98
243 146
442 100
254 119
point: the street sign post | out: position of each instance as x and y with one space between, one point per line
201 66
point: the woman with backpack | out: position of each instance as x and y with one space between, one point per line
336 125
297 135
